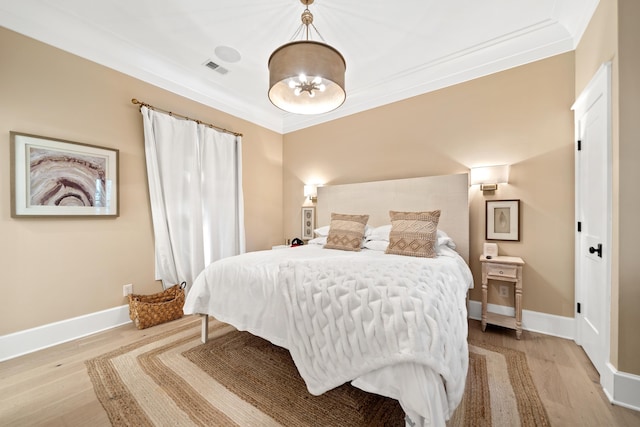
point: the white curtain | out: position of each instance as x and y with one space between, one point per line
195 185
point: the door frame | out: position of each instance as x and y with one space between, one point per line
599 86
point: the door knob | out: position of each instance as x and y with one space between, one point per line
598 250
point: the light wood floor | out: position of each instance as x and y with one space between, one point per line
51 387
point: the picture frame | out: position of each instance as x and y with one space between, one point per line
490 250
59 178
308 222
503 220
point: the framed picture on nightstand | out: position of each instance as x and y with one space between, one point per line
308 222
490 250
503 220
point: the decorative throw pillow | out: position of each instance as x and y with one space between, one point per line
413 233
346 232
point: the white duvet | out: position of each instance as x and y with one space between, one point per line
391 325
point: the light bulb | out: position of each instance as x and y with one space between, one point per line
322 87
311 94
317 80
292 84
297 91
302 78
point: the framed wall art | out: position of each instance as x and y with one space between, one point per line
503 220
308 222
54 177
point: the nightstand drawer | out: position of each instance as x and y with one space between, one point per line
502 270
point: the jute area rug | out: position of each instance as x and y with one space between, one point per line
237 379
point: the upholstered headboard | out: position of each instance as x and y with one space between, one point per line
449 193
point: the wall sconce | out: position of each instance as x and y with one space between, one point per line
311 192
488 177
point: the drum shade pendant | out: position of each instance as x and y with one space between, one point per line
305 76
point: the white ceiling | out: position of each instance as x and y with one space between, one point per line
393 49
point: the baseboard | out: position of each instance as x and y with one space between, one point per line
534 321
30 340
626 389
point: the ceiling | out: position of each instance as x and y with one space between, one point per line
393 49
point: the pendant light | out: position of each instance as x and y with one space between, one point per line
305 76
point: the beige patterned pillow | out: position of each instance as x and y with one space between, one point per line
346 232
413 233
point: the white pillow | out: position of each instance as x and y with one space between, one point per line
322 231
444 239
376 245
379 233
318 241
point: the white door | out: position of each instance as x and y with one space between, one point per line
593 214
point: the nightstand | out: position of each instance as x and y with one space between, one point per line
504 269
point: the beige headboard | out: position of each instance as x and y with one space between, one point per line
449 193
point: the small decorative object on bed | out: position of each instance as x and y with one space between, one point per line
308 222
54 177
151 310
503 220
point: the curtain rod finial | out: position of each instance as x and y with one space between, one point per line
134 101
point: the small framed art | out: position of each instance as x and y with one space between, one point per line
503 220
54 177
490 250
308 222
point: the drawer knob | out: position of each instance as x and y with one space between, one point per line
501 272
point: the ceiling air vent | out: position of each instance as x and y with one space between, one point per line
216 67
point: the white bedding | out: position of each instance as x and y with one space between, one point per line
256 292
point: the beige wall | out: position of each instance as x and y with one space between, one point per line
628 179
613 35
54 269
520 117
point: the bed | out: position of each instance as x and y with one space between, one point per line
390 324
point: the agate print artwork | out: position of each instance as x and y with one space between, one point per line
54 177
57 178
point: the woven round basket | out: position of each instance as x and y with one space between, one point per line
150 310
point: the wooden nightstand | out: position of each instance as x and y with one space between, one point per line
505 269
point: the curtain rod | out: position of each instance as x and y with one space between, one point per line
135 101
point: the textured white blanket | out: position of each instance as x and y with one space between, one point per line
349 317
